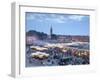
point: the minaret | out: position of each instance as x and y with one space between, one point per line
51 32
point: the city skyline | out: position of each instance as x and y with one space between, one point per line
62 24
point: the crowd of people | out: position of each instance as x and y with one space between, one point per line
61 56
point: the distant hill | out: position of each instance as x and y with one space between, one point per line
40 35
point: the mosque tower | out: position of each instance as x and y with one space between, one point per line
51 32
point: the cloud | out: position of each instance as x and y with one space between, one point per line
59 20
64 18
30 17
46 17
56 18
76 17
35 16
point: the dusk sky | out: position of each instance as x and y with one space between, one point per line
63 24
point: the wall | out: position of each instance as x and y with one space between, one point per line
5 40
